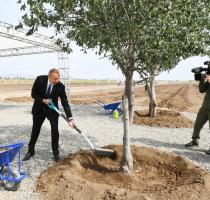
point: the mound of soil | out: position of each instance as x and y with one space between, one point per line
156 175
185 98
164 118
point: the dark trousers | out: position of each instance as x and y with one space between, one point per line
202 117
37 124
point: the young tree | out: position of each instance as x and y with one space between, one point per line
125 31
178 35
147 75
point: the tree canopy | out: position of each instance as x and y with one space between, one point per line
148 32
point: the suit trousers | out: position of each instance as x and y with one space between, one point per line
202 117
37 124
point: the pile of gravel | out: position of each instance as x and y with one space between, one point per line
101 129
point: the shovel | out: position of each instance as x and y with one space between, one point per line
96 150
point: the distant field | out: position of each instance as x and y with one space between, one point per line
16 81
30 82
84 81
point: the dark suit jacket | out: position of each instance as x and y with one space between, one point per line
38 93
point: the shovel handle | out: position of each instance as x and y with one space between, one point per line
75 127
80 132
64 117
52 106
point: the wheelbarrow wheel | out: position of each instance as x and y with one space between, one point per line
11 185
120 111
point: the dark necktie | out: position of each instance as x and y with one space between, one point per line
49 90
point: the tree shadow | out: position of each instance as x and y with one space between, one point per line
195 154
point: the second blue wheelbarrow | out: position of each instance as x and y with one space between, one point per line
10 176
109 108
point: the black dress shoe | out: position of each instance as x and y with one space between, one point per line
207 152
193 143
56 158
28 156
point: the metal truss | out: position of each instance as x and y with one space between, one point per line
63 65
8 31
35 44
19 51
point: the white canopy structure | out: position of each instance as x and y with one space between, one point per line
33 44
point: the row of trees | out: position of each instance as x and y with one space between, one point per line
145 36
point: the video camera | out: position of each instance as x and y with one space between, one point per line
198 71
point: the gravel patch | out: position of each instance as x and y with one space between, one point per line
101 129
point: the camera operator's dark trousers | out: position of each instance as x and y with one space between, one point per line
37 123
202 117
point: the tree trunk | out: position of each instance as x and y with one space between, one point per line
130 90
152 98
127 101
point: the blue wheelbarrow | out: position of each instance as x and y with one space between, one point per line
10 176
109 108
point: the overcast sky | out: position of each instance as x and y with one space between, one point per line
86 66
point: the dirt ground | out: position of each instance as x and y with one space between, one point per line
175 97
156 175
179 97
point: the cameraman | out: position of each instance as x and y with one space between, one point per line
204 112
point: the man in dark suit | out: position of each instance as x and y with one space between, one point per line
45 88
